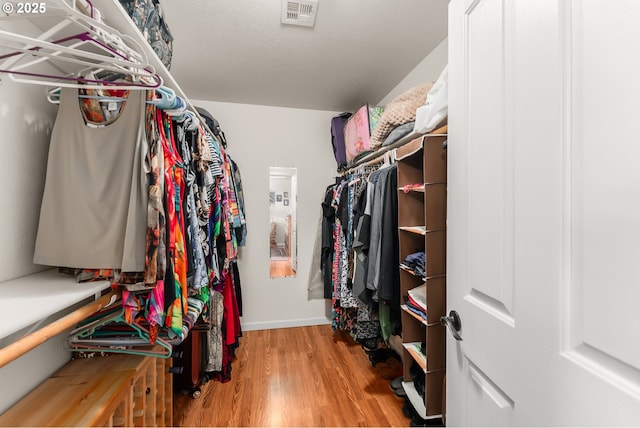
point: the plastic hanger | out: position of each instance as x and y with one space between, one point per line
164 93
163 97
144 79
107 50
108 331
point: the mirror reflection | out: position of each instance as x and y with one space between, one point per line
283 254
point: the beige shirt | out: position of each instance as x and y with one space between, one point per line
93 212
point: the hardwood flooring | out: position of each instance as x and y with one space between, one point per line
280 268
303 376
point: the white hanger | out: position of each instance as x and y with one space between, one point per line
112 52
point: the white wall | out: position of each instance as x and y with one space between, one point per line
427 70
26 120
260 137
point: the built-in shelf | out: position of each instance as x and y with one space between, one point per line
33 298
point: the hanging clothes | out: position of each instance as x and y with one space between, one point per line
315 282
150 201
359 253
93 212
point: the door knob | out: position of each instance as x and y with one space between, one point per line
454 324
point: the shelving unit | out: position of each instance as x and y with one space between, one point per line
114 391
422 201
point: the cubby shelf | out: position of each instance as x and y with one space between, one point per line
418 230
414 315
422 227
412 349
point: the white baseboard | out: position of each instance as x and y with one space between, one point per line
270 325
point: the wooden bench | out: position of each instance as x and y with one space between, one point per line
116 390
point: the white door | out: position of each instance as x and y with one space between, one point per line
544 212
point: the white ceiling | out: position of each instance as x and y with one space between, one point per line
359 50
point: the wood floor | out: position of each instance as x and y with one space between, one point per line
303 376
281 268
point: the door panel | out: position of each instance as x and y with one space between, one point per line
603 158
481 219
490 248
544 212
488 403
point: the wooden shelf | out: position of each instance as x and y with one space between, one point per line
102 391
418 230
412 349
409 270
414 315
419 189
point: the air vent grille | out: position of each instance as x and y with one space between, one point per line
301 12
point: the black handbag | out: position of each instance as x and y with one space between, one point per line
149 18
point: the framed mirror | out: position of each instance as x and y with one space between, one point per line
283 242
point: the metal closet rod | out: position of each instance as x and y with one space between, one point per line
379 155
25 344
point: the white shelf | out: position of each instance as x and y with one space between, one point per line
416 400
29 299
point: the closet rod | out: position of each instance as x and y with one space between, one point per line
379 154
27 343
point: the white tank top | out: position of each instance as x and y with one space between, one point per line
93 212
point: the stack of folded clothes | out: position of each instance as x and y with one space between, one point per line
416 262
416 300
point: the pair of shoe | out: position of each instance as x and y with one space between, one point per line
398 389
380 355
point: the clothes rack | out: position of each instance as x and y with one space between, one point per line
107 51
38 337
378 155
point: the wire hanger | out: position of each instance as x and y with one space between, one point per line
145 79
95 46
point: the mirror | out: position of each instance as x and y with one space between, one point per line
283 245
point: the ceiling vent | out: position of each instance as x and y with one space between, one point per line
301 12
